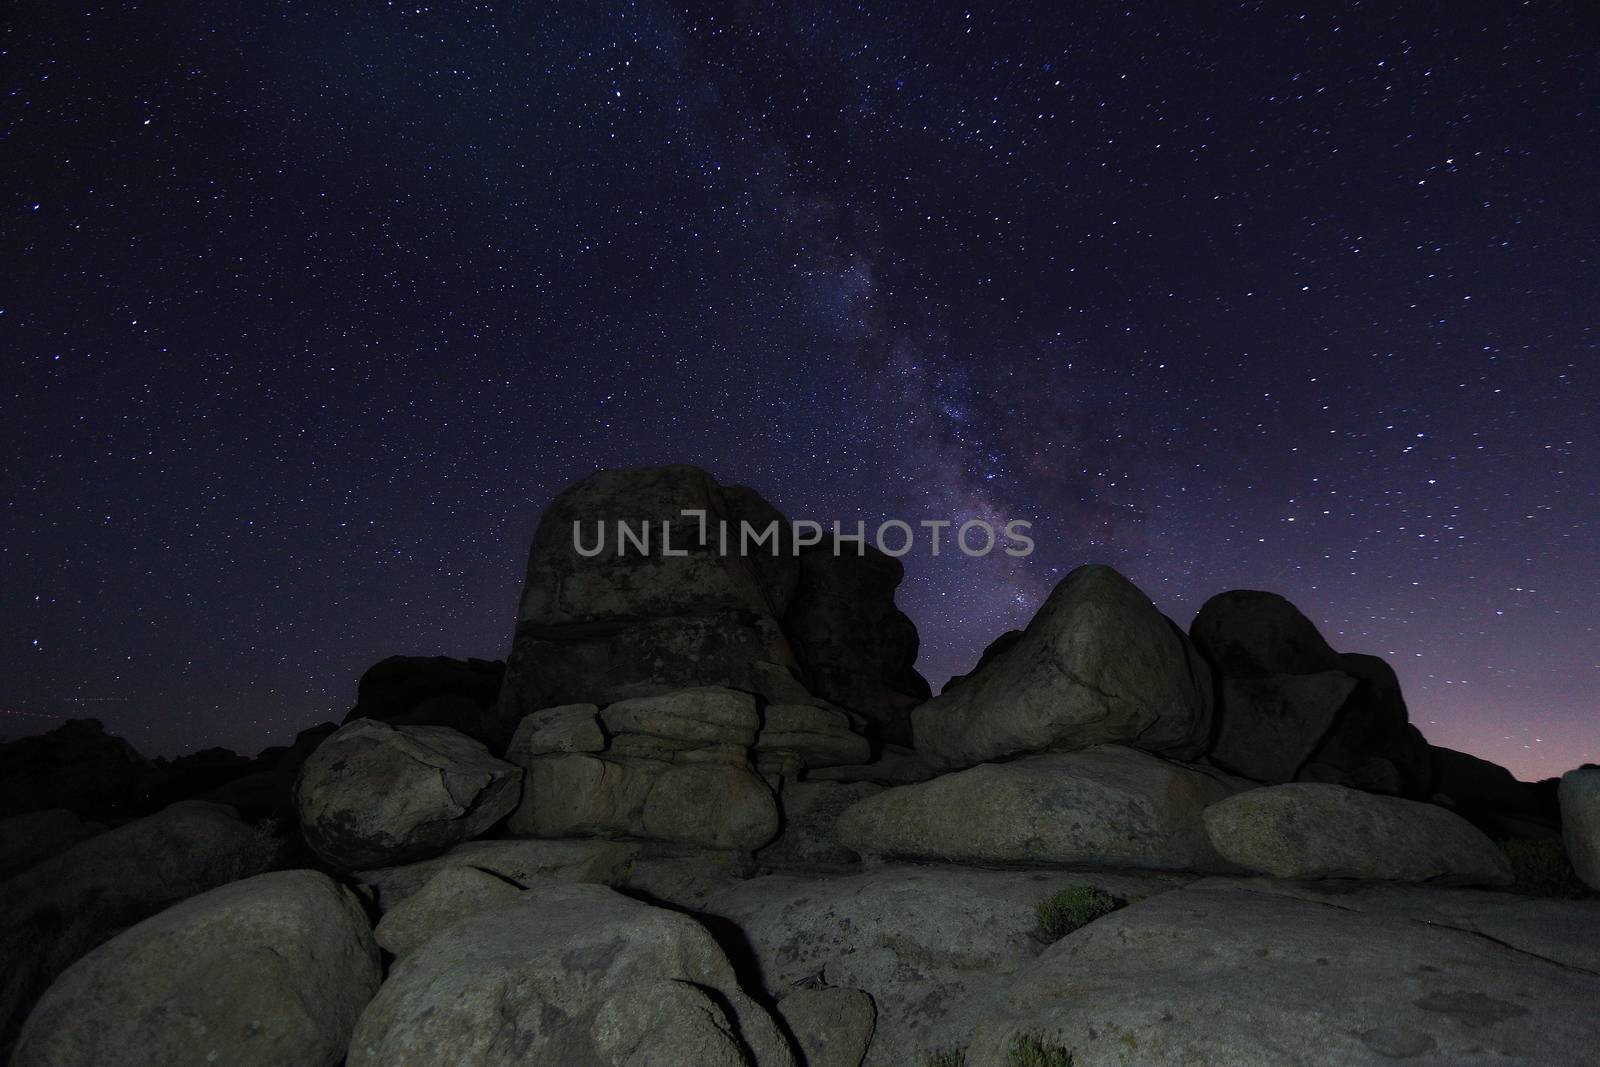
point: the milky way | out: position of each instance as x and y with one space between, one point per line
309 309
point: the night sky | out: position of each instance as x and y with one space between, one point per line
306 310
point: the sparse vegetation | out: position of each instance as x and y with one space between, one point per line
1541 868
946 1057
1072 907
1030 1050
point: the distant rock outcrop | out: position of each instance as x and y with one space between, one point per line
77 766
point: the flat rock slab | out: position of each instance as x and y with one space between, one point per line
1108 805
1220 975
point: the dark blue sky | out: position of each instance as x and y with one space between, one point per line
309 308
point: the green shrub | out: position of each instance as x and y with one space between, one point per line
1072 907
946 1057
1029 1050
1541 868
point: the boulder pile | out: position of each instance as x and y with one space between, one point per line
707 814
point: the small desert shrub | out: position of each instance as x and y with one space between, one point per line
1541 868
1072 907
1030 1050
946 1057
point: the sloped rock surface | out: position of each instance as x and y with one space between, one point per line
38 835
62 907
270 970
1219 975
454 894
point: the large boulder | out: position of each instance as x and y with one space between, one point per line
432 691
1098 664
530 982
1247 633
270 970
62 907
928 944
1293 709
1306 830
1222 975
77 766
1580 822
857 646
375 795
1106 806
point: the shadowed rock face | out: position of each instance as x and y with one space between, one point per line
1098 664
431 691
626 623
858 647
1291 708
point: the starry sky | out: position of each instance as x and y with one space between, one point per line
308 308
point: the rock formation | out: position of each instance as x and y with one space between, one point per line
707 814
